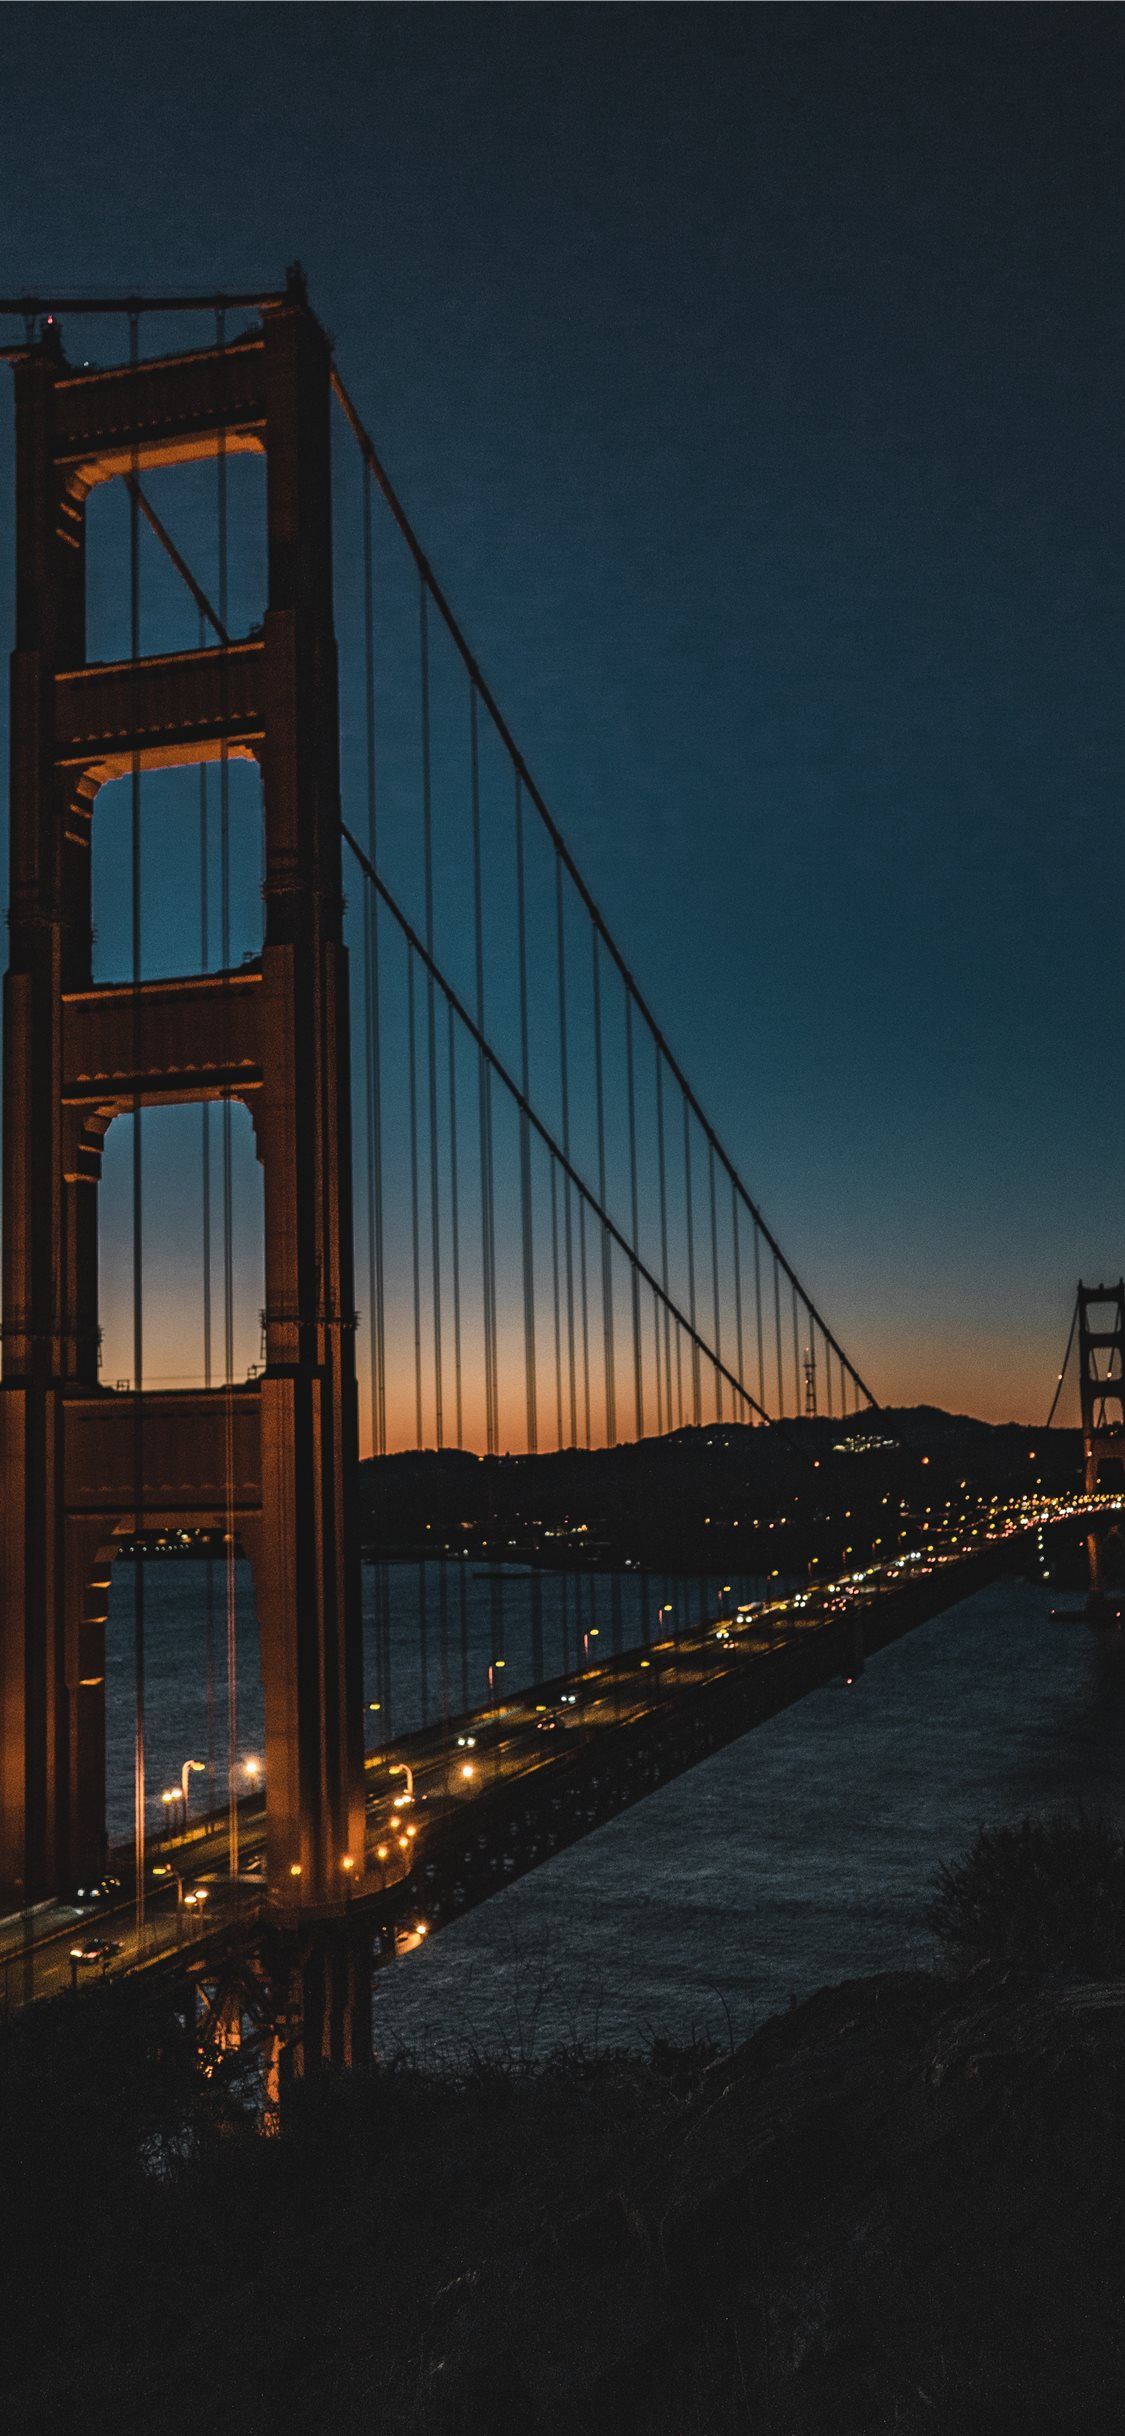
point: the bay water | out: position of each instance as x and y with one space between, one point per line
799 1856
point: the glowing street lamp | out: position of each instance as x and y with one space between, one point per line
191 1767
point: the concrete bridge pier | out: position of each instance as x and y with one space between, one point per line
325 1987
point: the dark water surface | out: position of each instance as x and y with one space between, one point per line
801 1855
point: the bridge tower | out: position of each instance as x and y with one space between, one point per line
78 1459
1101 1380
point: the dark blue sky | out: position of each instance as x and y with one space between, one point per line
754 379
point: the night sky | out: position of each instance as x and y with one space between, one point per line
753 377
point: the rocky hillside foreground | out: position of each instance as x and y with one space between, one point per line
901 2206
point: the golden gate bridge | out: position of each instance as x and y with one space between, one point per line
553 1246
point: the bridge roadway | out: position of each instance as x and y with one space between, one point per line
457 1809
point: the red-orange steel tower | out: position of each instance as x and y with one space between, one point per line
280 1453
1101 1387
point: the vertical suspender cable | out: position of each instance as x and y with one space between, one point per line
525 1138
431 1008
798 1400
564 1086
715 1276
662 1167
777 1327
415 1236
455 1236
607 1249
696 1400
138 1207
416 1258
634 1213
558 1306
373 1064
758 1309
480 690
208 1357
585 1314
736 1229
227 1181
415 1245
373 1084
488 1235
658 1366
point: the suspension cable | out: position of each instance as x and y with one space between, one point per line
567 1170
1066 1362
482 689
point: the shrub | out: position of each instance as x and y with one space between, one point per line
1048 1895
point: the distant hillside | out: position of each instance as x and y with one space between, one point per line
714 1496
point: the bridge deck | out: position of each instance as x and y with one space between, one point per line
621 1728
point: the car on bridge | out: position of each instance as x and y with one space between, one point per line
98 1890
92 1952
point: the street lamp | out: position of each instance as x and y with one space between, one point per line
493 1666
191 1767
402 1767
